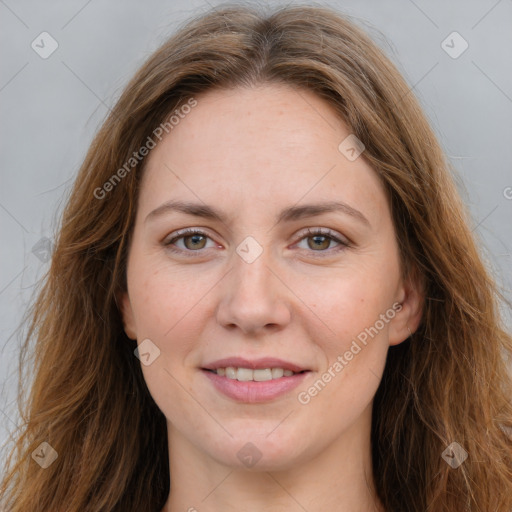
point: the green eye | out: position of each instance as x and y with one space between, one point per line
193 241
318 241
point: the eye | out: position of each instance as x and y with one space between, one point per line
319 240
193 240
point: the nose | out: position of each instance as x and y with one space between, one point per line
253 297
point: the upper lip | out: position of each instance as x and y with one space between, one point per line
255 364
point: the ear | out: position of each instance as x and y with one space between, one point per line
411 296
125 307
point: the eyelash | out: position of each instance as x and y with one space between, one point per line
307 234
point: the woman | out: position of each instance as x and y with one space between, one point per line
265 294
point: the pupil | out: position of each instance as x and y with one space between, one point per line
319 239
196 240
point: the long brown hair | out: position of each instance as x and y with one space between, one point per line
447 383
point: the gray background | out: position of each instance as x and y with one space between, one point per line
50 109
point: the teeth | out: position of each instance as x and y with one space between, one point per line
244 374
247 374
262 374
277 373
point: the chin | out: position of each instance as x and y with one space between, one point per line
259 453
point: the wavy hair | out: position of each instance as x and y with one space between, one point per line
448 382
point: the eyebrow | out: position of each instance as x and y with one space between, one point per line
287 215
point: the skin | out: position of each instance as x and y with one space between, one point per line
252 152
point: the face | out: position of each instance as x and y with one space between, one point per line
270 281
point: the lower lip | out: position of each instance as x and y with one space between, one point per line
255 392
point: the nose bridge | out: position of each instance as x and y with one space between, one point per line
251 275
252 296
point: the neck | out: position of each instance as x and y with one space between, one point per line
338 478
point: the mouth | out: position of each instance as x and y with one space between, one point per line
256 381
253 375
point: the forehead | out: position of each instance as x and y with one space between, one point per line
266 145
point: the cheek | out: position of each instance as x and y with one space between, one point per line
353 340
350 300
167 305
163 297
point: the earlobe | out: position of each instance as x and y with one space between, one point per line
408 319
125 308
